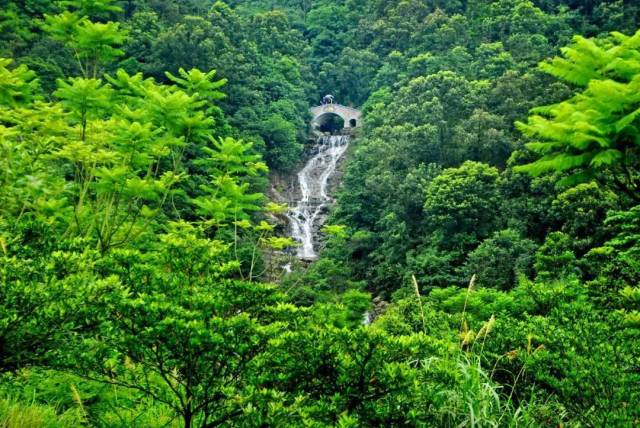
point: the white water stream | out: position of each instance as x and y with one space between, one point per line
305 215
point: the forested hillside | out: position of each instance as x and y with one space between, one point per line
480 266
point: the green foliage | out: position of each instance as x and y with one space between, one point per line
336 230
499 261
583 209
568 348
18 85
613 267
16 415
228 198
94 44
90 402
91 8
460 206
371 364
190 336
593 134
136 243
268 84
279 135
554 258
196 82
84 98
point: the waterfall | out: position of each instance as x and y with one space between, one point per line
306 214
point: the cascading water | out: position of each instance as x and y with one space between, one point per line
305 215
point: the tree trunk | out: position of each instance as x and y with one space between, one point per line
187 416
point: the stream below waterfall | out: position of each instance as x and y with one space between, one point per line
307 213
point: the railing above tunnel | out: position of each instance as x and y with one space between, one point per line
351 116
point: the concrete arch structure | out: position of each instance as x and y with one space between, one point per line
351 116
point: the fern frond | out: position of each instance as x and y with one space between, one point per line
607 157
626 120
575 179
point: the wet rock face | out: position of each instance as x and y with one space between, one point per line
310 200
378 308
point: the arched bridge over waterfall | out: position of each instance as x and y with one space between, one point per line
321 113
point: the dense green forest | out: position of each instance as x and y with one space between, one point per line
487 221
